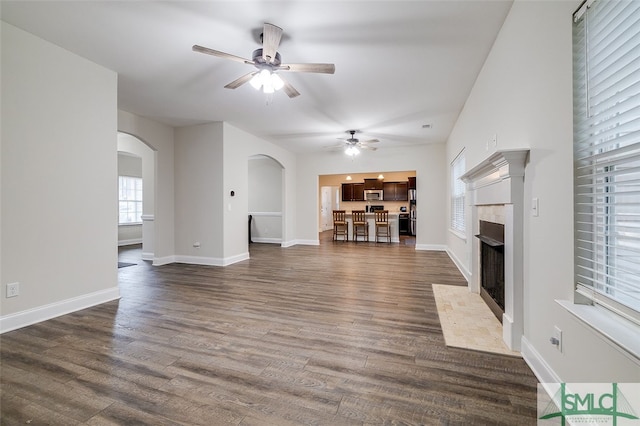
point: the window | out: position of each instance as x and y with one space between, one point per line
457 194
606 64
130 200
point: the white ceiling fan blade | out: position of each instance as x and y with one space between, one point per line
271 36
371 141
219 54
316 68
370 148
240 81
289 89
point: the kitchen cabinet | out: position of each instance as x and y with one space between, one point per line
353 192
373 184
412 182
396 191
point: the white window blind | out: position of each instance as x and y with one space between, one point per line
457 194
606 62
130 200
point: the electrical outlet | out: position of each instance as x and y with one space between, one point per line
535 207
557 338
13 289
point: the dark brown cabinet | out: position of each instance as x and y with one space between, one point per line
352 192
373 184
412 182
396 191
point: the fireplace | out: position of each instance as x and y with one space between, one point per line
491 238
495 187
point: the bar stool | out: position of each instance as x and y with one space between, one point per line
340 227
360 225
383 229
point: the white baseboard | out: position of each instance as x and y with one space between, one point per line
147 256
304 243
211 261
463 270
543 372
159 261
286 244
129 242
431 247
267 240
56 309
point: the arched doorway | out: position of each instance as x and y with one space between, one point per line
265 199
139 161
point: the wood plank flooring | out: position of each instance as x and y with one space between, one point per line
336 334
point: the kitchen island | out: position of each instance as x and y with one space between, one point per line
371 223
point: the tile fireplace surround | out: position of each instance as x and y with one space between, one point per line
497 185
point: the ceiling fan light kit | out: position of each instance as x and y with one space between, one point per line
268 61
352 151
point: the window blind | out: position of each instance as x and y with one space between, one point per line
606 64
457 193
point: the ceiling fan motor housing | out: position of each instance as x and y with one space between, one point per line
259 60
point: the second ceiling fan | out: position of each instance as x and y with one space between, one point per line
268 62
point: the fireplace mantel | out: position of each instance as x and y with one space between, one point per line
499 180
499 166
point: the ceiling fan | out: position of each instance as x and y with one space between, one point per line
268 63
353 145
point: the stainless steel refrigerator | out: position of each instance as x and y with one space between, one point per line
412 212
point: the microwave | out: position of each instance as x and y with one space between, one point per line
373 195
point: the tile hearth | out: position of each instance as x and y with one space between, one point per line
467 322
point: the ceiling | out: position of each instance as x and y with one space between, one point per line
399 65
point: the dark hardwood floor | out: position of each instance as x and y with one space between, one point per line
336 334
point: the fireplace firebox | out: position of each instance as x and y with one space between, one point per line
491 238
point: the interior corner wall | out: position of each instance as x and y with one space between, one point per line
59 192
160 138
428 161
198 194
523 95
239 146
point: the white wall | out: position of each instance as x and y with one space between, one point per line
59 163
524 95
427 160
198 194
159 138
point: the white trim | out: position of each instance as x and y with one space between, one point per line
147 217
286 244
543 371
56 309
211 261
304 243
159 261
620 333
458 234
463 270
129 242
269 214
146 256
431 247
267 240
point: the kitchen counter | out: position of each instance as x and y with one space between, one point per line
371 221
